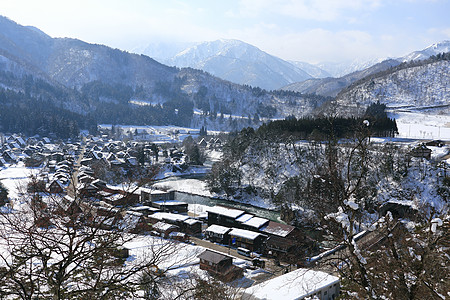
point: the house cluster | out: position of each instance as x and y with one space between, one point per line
238 228
118 155
211 143
35 151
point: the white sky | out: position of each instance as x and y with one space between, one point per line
302 30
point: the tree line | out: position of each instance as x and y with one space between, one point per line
375 120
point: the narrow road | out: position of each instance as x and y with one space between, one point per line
71 189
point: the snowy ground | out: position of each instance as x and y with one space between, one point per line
15 178
422 126
189 186
159 134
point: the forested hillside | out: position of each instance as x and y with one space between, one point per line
418 84
279 156
114 86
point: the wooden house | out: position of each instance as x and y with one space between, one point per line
164 229
218 234
284 241
170 218
219 265
192 226
9 157
224 216
250 240
2 162
55 187
254 223
296 285
173 206
203 143
162 195
145 210
421 151
134 222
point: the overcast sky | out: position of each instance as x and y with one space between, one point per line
302 30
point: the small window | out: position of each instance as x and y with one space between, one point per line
325 292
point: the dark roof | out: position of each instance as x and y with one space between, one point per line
278 229
213 257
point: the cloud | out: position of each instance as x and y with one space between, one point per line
314 45
323 10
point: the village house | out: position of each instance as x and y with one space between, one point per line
170 218
218 234
296 285
55 187
164 229
285 242
219 265
133 222
250 240
171 206
254 223
158 195
145 210
224 216
421 151
192 226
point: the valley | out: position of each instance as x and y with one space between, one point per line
217 170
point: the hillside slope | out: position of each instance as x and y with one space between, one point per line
115 86
330 86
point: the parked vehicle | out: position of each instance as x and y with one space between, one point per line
244 252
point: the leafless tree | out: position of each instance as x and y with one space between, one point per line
58 247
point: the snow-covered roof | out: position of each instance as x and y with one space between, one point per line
246 234
169 216
224 211
244 218
139 208
169 202
163 226
294 285
191 221
256 222
218 229
158 192
277 229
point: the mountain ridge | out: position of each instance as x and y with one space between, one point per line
238 62
332 86
105 83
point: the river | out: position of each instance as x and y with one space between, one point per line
192 198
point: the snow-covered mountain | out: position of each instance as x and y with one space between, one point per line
441 47
162 51
311 69
340 69
422 85
237 62
107 83
332 86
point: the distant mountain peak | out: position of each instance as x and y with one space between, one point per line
436 48
440 45
238 62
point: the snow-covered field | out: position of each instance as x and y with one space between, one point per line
15 177
189 186
422 126
159 134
